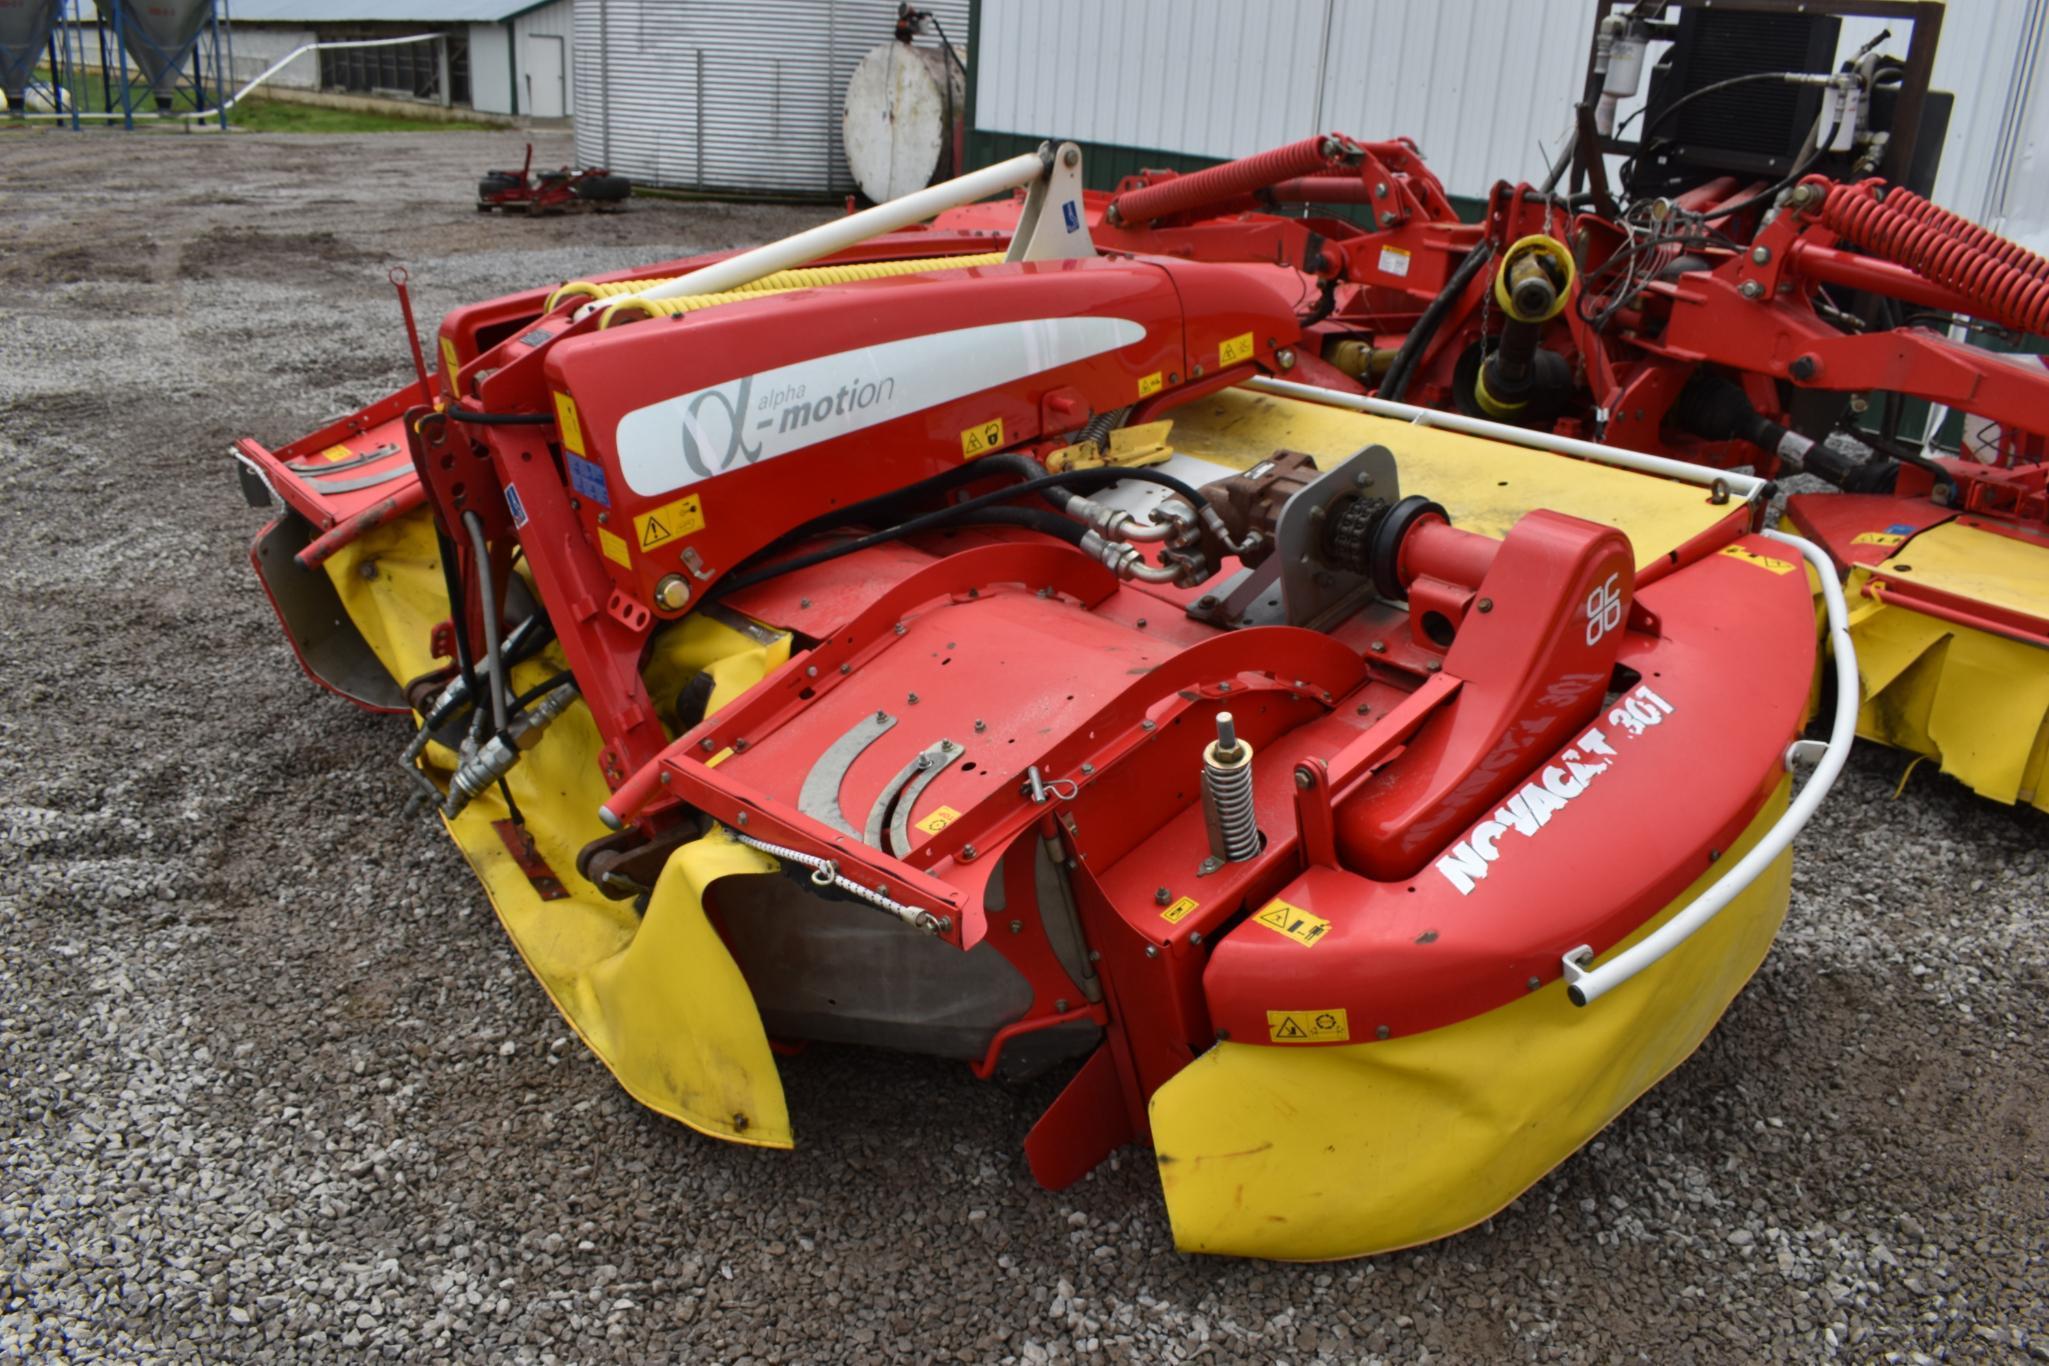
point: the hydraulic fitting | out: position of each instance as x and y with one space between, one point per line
495 758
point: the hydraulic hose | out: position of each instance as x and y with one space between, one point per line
2012 286
1398 374
1037 519
1232 180
487 594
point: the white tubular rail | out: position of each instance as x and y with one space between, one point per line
189 115
841 233
1584 984
1747 487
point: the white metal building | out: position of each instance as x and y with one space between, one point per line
727 94
1485 86
503 56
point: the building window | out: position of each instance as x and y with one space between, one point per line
406 71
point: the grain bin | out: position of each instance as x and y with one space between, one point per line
159 36
24 33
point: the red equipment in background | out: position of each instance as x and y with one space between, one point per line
551 191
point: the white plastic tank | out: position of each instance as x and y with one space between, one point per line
903 106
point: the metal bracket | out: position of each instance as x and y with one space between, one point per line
1804 754
900 792
1051 226
1576 965
820 796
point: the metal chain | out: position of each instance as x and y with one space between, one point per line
826 873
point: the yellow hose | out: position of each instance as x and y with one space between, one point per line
807 277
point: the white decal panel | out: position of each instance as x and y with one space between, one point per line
679 441
1532 806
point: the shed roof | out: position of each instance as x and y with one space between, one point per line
426 12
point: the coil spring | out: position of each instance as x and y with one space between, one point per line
1138 207
1228 792
1909 231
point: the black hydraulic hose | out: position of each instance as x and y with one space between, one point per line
1326 300
1396 382
542 689
894 505
465 664
460 414
1038 519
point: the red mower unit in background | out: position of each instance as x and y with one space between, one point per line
551 191
1763 286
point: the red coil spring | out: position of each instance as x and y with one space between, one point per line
1135 208
1991 243
2009 288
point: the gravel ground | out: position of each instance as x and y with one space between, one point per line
275 1084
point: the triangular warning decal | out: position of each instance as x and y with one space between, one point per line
652 533
1290 1030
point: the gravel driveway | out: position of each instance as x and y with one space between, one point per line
276 1085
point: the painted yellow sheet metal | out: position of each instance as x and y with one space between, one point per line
1983 566
1977 702
1484 485
1308 1154
656 996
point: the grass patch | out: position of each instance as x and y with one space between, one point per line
260 115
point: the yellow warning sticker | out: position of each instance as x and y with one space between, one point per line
565 418
938 820
1148 385
1878 538
449 364
1180 910
1737 552
1286 918
334 453
615 549
981 439
1307 1026
1235 349
667 522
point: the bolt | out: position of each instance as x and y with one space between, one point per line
603 518
1195 936
1750 289
803 602
1095 955
1147 724
665 774
1378 647
1304 779
743 818
1380 189
1174 377
1364 707
1387 219
1486 604
974 592
1223 687
1197 372
881 716
968 854
1208 866
1363 480
705 744
1432 666
1206 600
1535 982
672 594
1152 950
912 699
900 628
1761 254
1162 896
810 671
1285 358
1382 1032
739 746
846 668
1088 768
1017 927
1804 367
1714 856
1071 157
981 726
1141 623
